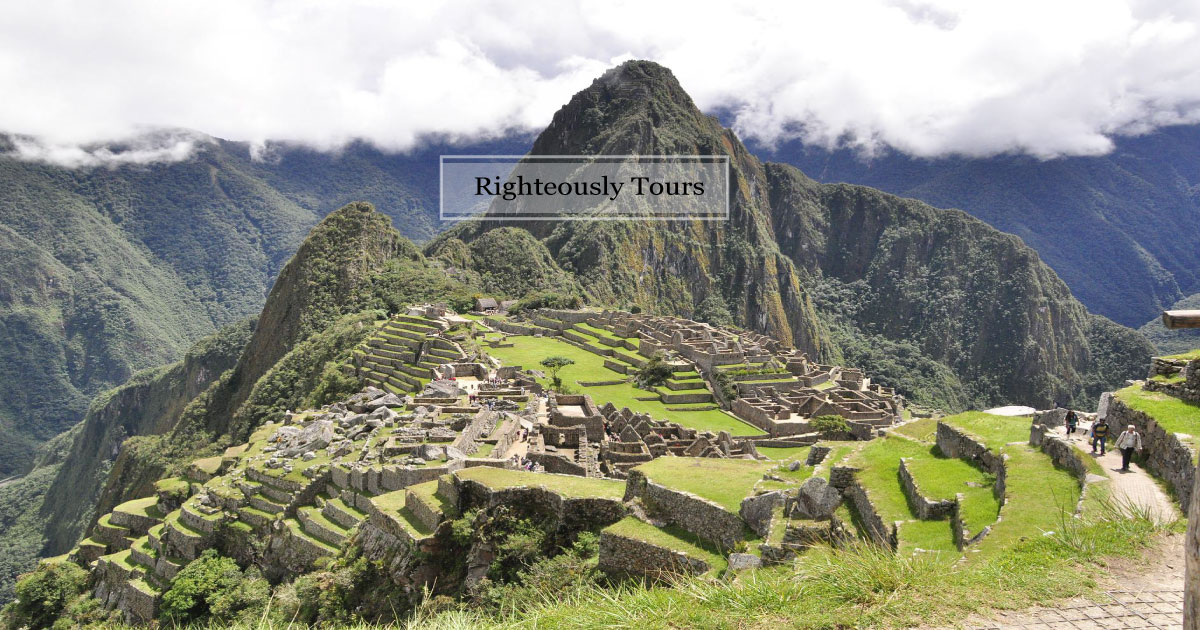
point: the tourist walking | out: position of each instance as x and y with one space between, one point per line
1129 440
1100 435
1072 421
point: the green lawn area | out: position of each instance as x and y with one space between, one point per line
566 485
995 431
1172 414
785 453
943 477
669 537
723 481
147 506
879 464
596 331
1039 495
528 352
923 430
1186 356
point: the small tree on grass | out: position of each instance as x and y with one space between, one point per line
553 365
830 424
654 372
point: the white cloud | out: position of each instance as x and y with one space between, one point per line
929 78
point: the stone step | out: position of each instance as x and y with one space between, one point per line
307 545
265 504
318 526
389 510
108 533
426 505
345 515
88 551
254 517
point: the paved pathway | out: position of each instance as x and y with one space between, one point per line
1156 605
1135 488
1148 610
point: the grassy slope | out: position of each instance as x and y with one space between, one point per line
1172 414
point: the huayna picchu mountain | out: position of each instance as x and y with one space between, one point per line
931 303
934 302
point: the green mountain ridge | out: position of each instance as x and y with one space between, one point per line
109 271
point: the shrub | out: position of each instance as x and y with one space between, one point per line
653 373
830 424
43 595
213 588
554 365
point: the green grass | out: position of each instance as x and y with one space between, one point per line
923 430
1172 414
147 506
942 478
879 463
785 453
1038 495
723 481
566 485
1191 355
529 351
669 537
995 431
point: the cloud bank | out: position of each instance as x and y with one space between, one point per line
928 78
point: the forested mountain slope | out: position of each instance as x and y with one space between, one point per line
978 316
1122 229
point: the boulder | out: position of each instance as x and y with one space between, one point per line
453 453
815 500
743 561
443 389
314 436
387 400
428 452
757 510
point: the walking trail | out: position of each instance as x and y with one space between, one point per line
1146 594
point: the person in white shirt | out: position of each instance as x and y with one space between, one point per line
1129 440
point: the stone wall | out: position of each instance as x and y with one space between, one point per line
876 530
697 515
1185 383
955 443
925 508
1164 455
625 556
567 512
1060 451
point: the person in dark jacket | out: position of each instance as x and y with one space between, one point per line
1100 435
1072 421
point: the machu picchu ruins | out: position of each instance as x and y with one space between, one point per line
456 417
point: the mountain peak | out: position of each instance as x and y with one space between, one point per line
638 107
